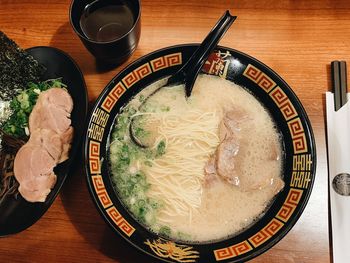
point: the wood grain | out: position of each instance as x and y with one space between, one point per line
298 39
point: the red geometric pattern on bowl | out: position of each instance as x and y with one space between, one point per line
266 233
101 191
136 75
298 135
94 157
278 96
232 251
166 61
288 110
290 204
120 221
295 127
259 77
283 102
113 97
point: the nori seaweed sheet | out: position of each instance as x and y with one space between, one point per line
17 68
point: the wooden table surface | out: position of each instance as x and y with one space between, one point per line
296 38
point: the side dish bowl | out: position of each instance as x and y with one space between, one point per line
16 214
286 111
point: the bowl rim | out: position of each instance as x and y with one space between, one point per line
296 102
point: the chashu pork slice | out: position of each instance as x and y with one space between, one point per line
223 161
48 116
49 140
232 123
52 111
230 155
50 136
37 189
226 160
66 139
56 145
33 169
231 152
60 98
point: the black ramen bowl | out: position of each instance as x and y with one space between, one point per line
284 107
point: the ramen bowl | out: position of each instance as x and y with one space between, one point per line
274 94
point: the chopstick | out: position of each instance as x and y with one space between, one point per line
343 83
339 78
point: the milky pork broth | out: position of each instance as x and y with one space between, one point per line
213 163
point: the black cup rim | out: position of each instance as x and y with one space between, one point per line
103 42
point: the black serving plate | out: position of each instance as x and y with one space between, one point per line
270 89
16 214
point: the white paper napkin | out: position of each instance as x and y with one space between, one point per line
338 135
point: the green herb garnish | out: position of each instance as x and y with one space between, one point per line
165 231
22 105
160 148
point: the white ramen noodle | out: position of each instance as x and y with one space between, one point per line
175 195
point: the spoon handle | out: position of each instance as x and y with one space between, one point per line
189 72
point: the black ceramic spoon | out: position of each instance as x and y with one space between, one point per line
188 73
